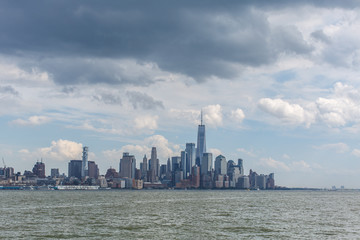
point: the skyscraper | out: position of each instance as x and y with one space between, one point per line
127 166
220 165
190 157
206 164
241 166
201 142
93 170
154 161
183 164
39 169
84 169
74 169
144 167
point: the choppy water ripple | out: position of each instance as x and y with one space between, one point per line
179 215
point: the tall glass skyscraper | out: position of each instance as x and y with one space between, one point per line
190 157
84 169
201 142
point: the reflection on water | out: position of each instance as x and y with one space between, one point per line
170 214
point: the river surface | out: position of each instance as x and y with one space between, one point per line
171 214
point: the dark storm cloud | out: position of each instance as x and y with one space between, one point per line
8 90
68 89
144 101
196 38
108 98
320 35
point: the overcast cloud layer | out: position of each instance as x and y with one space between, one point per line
278 82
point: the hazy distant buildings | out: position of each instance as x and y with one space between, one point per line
194 168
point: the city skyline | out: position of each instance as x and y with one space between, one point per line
277 81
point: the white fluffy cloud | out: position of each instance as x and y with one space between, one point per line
238 115
164 148
60 150
212 115
11 73
339 109
342 107
289 113
31 121
146 122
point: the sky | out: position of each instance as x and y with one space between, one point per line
278 83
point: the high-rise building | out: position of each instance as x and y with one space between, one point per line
127 166
168 167
9 172
206 164
270 183
183 164
253 179
175 163
163 171
74 169
93 170
39 169
243 182
241 166
220 165
201 142
84 169
261 181
195 176
144 168
154 161
55 173
175 167
168 170
190 157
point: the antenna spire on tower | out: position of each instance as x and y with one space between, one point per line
201 117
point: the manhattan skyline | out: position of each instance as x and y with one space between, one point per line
278 84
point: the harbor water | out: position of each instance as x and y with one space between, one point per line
171 214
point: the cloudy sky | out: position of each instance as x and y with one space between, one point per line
278 82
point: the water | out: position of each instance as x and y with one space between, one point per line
157 214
